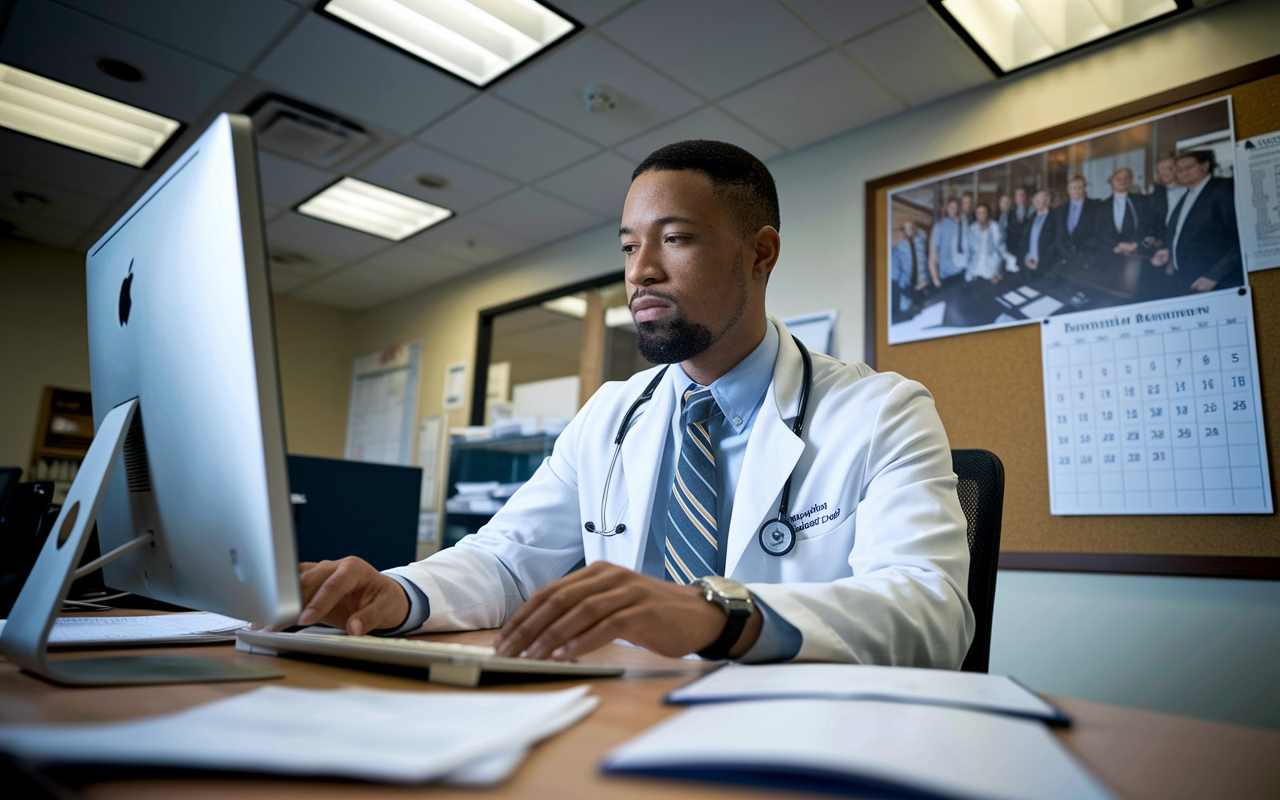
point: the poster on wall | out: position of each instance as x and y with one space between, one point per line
384 402
1258 200
1133 214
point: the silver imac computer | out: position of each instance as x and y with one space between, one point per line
186 476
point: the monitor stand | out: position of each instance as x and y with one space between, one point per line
25 640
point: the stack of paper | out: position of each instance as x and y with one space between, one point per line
844 746
366 734
971 690
196 628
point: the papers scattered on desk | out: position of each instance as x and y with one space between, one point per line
366 734
860 746
154 629
972 690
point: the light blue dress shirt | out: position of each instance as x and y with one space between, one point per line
740 394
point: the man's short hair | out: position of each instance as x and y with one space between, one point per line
1075 178
1202 156
738 178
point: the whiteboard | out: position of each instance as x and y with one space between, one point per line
384 403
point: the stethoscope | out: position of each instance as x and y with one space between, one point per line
777 536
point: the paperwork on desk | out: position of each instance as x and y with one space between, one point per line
860 746
196 628
366 734
980 692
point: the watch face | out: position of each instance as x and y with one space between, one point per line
725 587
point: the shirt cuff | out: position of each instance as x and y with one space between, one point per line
779 640
419 607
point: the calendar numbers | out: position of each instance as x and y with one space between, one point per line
1155 417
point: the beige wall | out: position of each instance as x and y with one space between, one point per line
44 341
315 345
821 188
44 338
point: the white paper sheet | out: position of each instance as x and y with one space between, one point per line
366 734
153 629
1155 408
945 752
866 682
1257 182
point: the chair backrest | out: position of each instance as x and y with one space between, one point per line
981 490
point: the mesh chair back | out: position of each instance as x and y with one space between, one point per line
981 490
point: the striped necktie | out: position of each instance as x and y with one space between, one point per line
691 510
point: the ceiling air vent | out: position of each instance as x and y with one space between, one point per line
305 133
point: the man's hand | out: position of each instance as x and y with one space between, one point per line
352 595
1203 285
602 602
1126 248
1160 257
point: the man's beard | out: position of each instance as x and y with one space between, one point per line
669 341
676 338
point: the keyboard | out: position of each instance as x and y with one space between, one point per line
446 662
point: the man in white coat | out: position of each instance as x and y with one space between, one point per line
878 569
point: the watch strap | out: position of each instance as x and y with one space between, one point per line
733 627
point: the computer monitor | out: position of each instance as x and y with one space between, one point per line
187 471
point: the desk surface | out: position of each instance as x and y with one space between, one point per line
1139 754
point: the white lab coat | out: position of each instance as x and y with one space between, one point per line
879 579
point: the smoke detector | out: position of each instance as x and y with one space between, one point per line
305 133
599 98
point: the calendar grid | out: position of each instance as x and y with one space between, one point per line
1155 409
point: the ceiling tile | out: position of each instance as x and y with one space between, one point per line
599 184
411 265
36 159
940 65
284 282
323 241
711 48
228 32
270 210
335 67
470 241
65 45
537 216
589 12
68 208
339 297
468 186
553 88
709 123
288 183
43 231
506 140
813 101
840 19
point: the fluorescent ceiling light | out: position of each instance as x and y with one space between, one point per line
477 40
372 209
73 117
1011 34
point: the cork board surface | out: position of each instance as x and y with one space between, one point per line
989 391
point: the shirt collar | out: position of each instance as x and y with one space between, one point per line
740 390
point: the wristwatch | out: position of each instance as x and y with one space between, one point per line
736 601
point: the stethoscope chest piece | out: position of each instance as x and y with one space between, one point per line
777 537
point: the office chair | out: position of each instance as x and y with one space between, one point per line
981 490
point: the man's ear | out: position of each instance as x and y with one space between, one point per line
768 246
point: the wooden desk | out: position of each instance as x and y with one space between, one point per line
1138 753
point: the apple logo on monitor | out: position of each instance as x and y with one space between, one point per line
126 302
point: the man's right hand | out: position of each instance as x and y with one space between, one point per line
352 595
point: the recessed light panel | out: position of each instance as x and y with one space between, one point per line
372 209
1016 33
73 117
477 40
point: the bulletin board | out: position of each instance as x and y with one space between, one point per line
997 403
